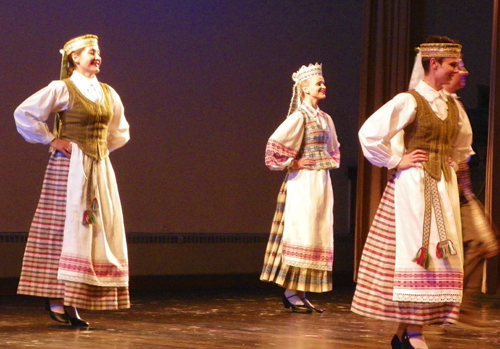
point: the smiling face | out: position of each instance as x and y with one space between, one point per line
446 70
88 61
313 89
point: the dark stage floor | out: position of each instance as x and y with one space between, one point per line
224 319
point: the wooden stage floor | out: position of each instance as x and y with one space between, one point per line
225 319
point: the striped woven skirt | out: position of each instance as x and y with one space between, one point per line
374 289
289 277
44 245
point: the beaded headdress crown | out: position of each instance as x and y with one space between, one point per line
79 42
304 73
308 72
435 50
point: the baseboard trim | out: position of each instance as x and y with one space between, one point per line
177 238
8 286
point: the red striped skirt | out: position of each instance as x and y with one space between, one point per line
374 289
43 250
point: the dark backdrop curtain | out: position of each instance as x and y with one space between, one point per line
492 192
392 29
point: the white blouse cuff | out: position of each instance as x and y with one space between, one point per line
394 162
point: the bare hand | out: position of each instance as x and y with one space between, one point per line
413 159
303 163
63 146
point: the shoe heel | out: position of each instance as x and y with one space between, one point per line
47 304
295 308
286 302
396 343
62 318
76 321
310 306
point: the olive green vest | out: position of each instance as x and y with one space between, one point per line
428 132
86 123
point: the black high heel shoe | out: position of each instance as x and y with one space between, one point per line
62 318
76 322
396 343
310 306
295 308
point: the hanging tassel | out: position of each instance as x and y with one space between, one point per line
89 217
422 257
95 205
445 248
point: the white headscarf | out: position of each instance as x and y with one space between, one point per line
418 71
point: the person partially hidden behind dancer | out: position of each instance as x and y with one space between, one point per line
411 268
76 254
479 237
299 254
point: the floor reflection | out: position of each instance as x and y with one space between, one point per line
225 319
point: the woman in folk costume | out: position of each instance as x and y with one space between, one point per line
411 267
299 254
76 254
